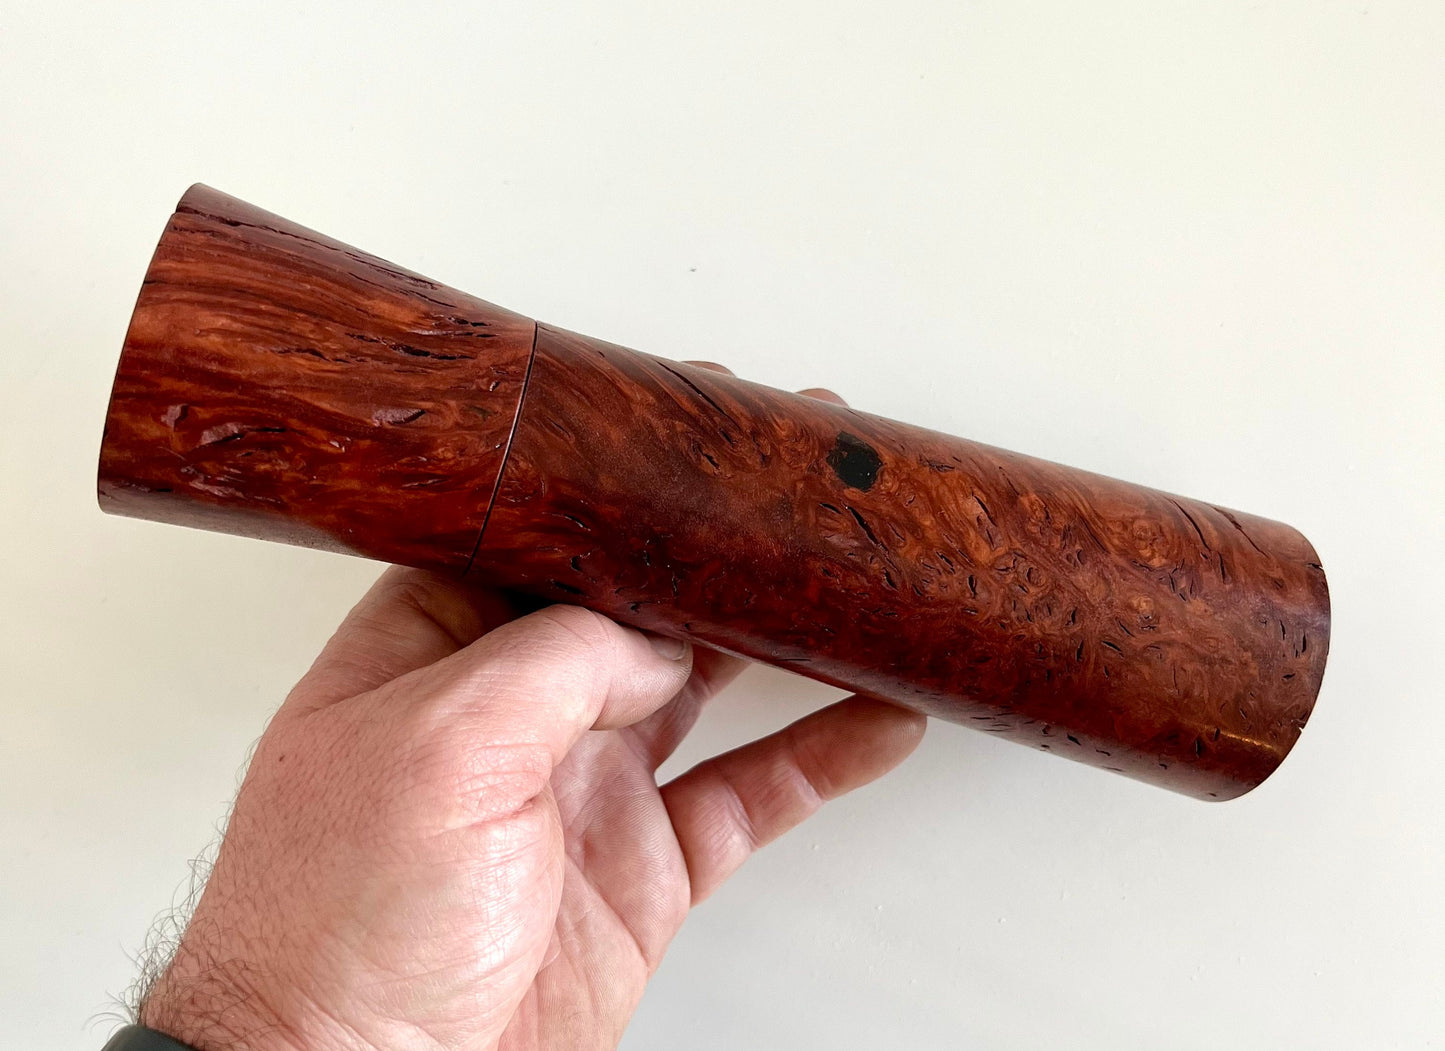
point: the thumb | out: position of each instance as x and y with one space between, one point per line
545 679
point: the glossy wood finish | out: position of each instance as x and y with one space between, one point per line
277 384
1157 636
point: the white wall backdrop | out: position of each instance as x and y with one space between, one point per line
1196 246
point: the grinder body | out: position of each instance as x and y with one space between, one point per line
278 384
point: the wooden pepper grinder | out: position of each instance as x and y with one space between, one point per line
277 384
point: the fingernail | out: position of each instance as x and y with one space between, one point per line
666 646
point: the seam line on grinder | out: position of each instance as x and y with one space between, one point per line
507 450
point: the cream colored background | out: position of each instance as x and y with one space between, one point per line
1199 246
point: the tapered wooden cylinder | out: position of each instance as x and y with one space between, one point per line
278 384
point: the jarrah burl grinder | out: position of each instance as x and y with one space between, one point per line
277 384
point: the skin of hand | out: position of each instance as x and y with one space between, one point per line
451 834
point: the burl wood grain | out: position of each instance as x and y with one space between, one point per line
281 385
278 384
1157 636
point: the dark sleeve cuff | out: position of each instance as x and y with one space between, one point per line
139 1038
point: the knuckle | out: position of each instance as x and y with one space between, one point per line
741 819
567 640
575 624
809 769
412 586
433 599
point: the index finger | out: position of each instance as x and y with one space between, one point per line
407 620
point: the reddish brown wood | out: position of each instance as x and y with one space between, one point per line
1168 639
1161 637
281 385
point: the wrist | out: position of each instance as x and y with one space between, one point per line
142 1038
212 1006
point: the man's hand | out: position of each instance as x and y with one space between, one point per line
451 834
